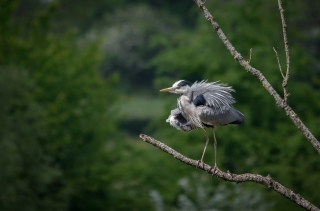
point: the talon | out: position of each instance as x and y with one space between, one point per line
199 161
215 167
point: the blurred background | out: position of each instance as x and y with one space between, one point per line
80 81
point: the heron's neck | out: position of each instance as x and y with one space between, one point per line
187 92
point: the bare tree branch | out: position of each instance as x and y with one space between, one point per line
237 178
279 101
286 47
279 63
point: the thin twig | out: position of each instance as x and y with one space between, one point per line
250 55
279 101
279 63
286 47
237 178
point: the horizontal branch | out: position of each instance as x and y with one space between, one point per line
237 178
279 101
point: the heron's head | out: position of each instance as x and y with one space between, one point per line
179 87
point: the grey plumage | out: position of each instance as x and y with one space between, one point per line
216 95
206 104
177 120
201 105
189 111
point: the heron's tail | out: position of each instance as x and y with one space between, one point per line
239 117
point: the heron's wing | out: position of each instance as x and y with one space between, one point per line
175 112
177 120
211 94
189 110
223 116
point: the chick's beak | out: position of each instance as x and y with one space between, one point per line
167 89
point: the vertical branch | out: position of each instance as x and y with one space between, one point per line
286 47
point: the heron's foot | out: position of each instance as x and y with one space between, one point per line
213 170
198 162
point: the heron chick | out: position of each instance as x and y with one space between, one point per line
203 105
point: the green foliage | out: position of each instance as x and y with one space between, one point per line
29 180
55 118
195 194
130 41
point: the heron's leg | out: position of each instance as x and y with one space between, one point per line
215 147
215 167
205 147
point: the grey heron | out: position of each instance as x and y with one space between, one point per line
203 105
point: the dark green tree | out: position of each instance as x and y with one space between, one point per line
56 116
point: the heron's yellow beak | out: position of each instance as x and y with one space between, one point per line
167 89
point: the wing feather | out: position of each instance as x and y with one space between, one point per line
177 120
216 95
223 116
